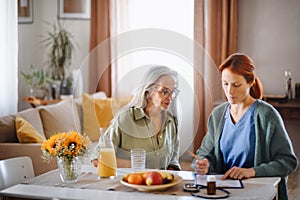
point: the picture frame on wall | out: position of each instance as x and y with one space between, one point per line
25 11
74 9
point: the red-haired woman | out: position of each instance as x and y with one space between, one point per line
246 136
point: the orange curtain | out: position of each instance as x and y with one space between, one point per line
99 67
215 30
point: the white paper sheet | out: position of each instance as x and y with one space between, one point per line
227 183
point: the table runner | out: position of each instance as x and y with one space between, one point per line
89 180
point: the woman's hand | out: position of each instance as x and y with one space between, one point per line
95 162
239 173
201 166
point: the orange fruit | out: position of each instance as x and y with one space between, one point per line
125 178
135 179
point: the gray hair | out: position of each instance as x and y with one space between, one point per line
139 99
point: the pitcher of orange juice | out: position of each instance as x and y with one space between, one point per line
107 163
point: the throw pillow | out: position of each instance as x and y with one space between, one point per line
33 117
60 117
8 129
98 112
26 133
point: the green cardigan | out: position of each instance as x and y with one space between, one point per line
274 154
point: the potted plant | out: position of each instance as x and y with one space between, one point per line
37 82
66 86
61 45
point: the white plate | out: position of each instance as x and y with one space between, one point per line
149 188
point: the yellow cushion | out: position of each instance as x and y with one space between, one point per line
98 113
90 108
26 133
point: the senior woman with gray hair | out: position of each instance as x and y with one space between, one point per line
148 122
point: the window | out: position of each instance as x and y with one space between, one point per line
177 17
173 15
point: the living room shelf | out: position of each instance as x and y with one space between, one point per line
37 102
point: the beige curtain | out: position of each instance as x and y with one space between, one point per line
215 29
99 67
119 16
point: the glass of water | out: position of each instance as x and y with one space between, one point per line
138 160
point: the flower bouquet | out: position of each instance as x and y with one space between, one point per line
67 147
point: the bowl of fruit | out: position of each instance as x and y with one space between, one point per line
151 180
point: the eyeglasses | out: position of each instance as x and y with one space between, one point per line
167 93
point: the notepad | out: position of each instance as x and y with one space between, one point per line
227 183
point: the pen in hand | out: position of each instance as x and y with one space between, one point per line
194 155
201 165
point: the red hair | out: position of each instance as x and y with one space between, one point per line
243 65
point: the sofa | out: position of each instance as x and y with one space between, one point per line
22 134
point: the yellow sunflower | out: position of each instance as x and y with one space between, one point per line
64 144
51 146
72 144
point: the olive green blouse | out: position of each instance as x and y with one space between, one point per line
134 129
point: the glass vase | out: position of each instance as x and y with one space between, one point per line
69 169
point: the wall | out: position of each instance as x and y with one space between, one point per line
269 33
31 51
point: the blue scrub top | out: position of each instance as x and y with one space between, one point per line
237 142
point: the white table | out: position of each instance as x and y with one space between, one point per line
256 188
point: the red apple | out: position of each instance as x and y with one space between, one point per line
145 174
154 178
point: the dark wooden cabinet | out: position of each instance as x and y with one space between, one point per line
289 110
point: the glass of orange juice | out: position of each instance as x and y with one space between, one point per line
107 163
